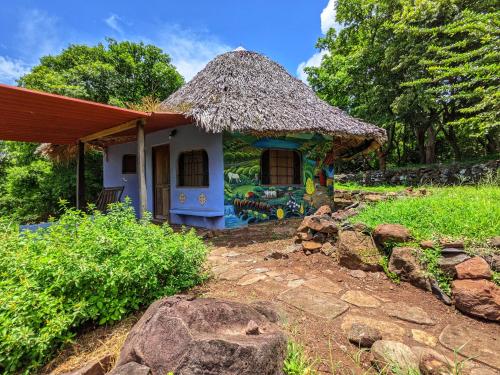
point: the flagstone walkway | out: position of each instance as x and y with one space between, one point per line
319 301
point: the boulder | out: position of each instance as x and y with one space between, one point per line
406 266
358 251
323 224
494 241
206 336
387 354
479 298
427 244
474 268
396 233
131 368
455 244
431 362
98 367
323 210
328 249
311 245
447 263
304 236
363 335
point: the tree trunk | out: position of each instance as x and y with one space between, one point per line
451 137
420 134
382 160
492 144
430 145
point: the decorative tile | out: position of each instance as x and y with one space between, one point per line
202 199
182 198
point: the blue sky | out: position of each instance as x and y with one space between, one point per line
191 31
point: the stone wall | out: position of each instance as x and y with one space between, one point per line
442 175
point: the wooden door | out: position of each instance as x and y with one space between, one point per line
161 181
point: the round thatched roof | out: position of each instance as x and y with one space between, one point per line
243 91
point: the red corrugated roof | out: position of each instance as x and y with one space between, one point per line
33 116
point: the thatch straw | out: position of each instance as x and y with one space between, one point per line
243 91
62 154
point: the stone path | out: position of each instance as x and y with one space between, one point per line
323 301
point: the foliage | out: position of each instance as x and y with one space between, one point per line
495 277
384 262
426 71
118 73
297 362
121 73
375 189
83 269
31 186
468 212
429 258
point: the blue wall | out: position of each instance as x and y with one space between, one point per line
187 138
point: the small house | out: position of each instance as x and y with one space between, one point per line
257 141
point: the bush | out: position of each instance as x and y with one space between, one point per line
85 268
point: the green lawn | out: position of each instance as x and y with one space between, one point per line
375 189
471 213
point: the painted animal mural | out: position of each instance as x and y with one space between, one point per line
247 199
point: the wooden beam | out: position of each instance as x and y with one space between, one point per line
141 166
115 129
80 177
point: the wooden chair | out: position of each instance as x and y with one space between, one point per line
107 196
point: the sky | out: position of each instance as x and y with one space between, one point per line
192 32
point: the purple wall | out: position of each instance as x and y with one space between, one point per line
192 206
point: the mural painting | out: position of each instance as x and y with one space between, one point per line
248 200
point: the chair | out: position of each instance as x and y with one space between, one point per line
107 196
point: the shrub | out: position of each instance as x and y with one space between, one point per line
85 268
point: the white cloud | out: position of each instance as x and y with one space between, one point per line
10 70
328 17
314 60
113 21
190 50
38 34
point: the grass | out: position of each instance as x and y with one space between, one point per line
471 213
376 189
297 362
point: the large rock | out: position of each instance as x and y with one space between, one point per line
131 368
406 266
363 335
393 354
205 336
358 251
395 233
323 210
323 224
447 263
432 362
413 314
480 298
475 268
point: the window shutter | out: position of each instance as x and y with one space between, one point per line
205 168
264 168
296 168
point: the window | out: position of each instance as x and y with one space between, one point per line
129 164
280 167
193 169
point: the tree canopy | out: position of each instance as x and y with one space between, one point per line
119 73
426 71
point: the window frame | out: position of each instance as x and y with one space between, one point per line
300 171
124 156
205 175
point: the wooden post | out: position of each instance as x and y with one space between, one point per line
141 164
80 177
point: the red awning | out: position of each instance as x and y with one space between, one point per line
33 116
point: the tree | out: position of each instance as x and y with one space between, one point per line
120 73
394 63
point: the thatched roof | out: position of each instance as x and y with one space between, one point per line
243 91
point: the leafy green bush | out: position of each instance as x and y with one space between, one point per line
85 268
297 361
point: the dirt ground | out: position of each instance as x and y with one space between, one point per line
237 258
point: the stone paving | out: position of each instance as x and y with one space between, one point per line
325 292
